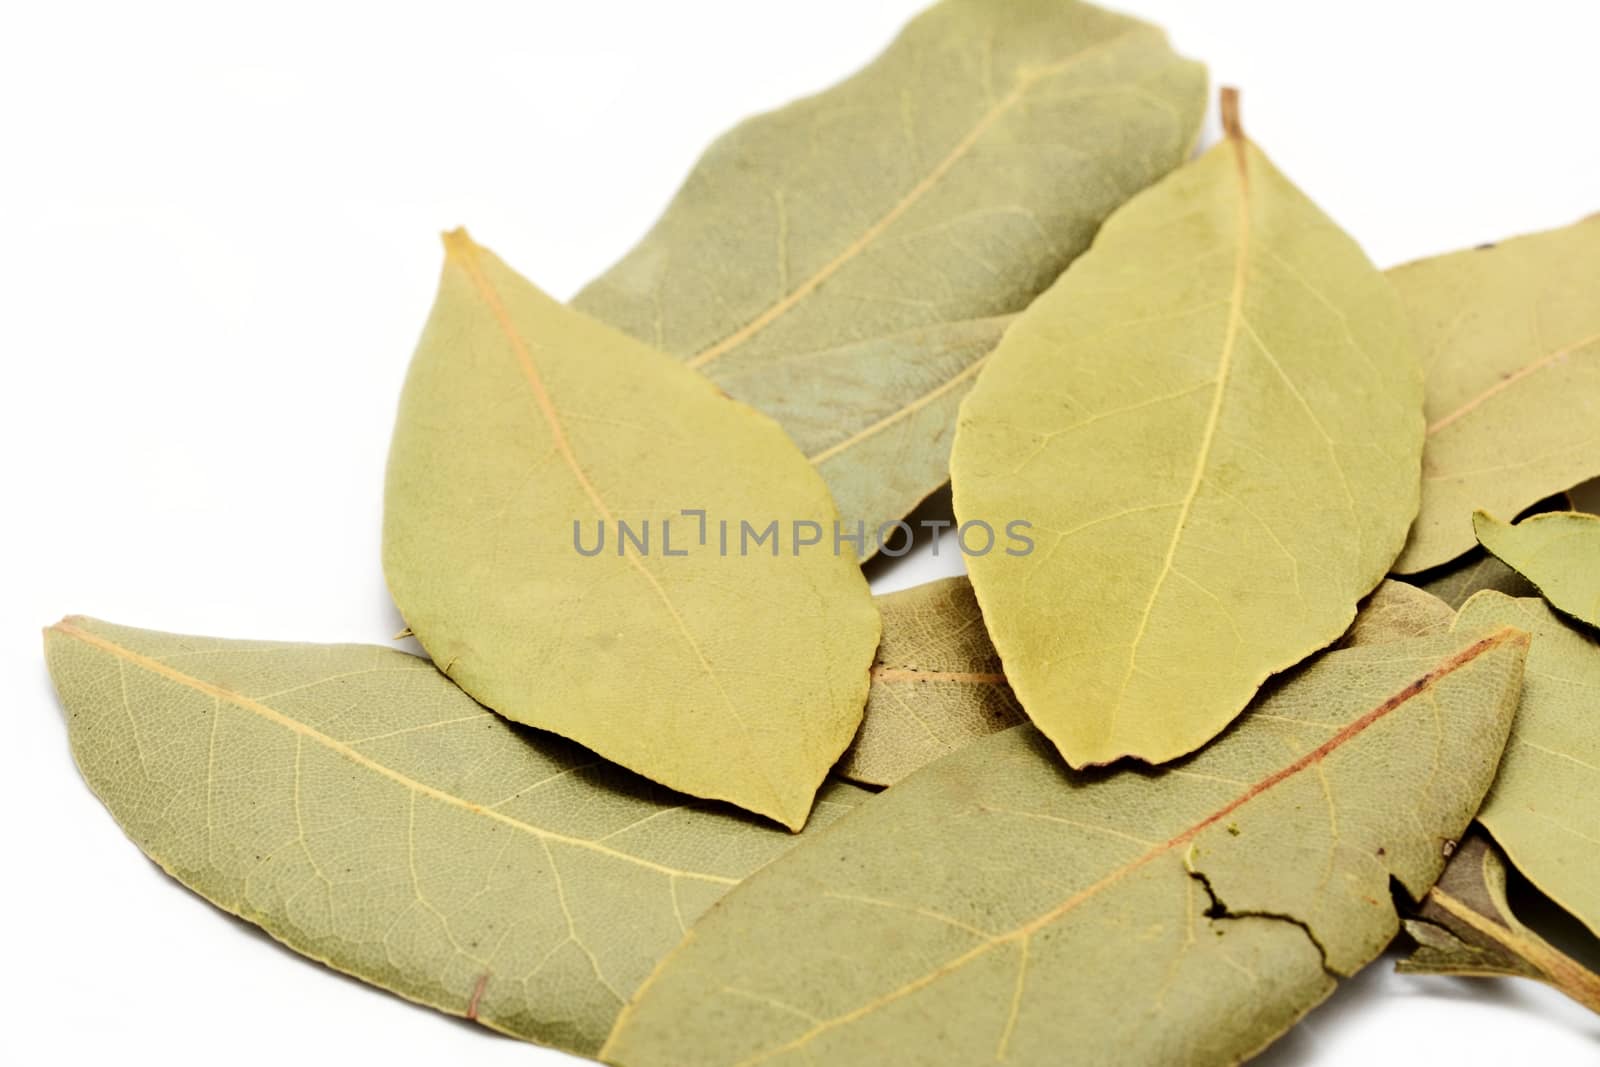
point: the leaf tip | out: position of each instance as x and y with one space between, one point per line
1232 125
67 625
458 243
1517 638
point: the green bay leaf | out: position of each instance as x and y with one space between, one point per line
846 263
1465 926
1544 809
525 429
1510 338
1213 422
936 684
1557 552
994 906
362 810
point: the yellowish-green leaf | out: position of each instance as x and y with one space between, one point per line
1214 423
1396 611
361 809
1558 552
736 673
1456 582
846 263
1510 338
1544 809
1465 926
994 907
936 685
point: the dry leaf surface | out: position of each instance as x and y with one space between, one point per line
846 263
362 810
1214 423
994 906
1510 337
527 430
1544 809
1558 553
936 684
1465 926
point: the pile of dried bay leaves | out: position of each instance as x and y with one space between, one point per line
1177 759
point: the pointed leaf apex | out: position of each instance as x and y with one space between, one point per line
457 242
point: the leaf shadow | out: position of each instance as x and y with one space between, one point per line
932 525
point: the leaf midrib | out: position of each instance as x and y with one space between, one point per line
1023 932
1233 329
1024 84
1555 967
1510 380
464 251
310 733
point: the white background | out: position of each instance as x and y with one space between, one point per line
219 246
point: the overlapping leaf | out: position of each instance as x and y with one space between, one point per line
1396 611
527 433
1465 926
936 684
846 263
994 907
357 806
1213 422
1559 554
1510 336
1455 583
1544 809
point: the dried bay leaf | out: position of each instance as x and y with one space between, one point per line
1465 926
361 809
1396 611
1544 809
1456 582
846 263
1510 337
1558 552
936 684
724 673
1213 421
995 907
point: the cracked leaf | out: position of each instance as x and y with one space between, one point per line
733 676
1558 553
846 263
995 906
1213 421
362 810
1465 926
1544 809
936 684
1510 337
